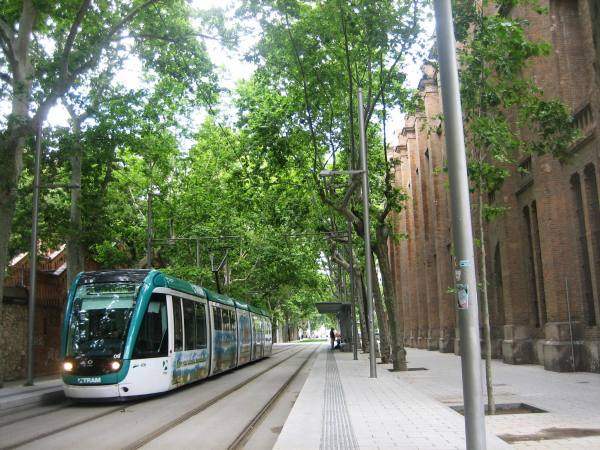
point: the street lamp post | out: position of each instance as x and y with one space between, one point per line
466 284
352 293
33 254
367 233
364 172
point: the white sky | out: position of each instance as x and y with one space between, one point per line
231 68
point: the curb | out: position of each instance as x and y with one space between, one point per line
47 396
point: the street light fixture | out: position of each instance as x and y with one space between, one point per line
332 173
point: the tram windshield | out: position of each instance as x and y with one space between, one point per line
100 319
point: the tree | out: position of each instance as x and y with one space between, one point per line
316 54
507 116
36 75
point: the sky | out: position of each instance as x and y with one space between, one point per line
232 68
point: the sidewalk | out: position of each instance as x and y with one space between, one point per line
15 395
572 400
340 407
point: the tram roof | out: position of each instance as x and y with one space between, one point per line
114 276
177 284
219 298
215 297
157 278
241 305
257 310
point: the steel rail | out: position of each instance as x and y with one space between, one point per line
66 427
122 406
195 411
63 405
248 430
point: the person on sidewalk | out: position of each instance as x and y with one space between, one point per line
338 340
332 338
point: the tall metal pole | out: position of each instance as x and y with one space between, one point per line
461 229
198 253
351 267
352 291
33 254
368 262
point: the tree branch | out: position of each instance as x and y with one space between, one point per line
109 36
63 83
64 64
175 39
6 29
401 53
6 77
7 36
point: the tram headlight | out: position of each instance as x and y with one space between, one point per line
67 366
115 365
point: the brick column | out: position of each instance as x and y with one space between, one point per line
417 237
408 249
441 231
399 247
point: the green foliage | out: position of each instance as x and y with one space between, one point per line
507 114
311 58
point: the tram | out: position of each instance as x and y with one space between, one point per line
131 333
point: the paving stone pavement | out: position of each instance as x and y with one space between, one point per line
572 400
385 413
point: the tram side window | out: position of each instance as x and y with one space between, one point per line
225 315
217 319
200 316
177 324
190 324
232 319
227 320
153 337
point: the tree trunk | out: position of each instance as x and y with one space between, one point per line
392 303
12 142
75 250
382 319
149 230
364 323
10 171
486 311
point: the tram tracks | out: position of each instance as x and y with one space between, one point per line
246 433
67 403
31 415
205 405
123 407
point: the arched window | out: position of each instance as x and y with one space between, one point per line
498 286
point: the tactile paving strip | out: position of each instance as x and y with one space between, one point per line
337 430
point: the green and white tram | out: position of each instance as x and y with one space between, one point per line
130 333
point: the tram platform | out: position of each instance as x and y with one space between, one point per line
340 407
14 394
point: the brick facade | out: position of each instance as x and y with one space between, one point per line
51 295
543 254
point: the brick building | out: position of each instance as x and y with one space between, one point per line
543 254
51 295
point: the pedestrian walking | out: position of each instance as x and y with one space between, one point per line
332 338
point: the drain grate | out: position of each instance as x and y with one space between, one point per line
410 369
506 408
547 434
